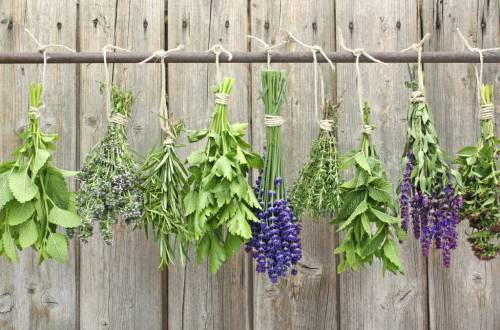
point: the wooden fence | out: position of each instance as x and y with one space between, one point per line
120 287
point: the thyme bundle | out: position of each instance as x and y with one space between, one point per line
275 243
34 199
427 192
164 185
219 207
110 181
480 173
370 231
316 190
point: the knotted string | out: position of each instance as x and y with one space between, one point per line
418 95
324 124
487 111
113 118
357 52
273 121
268 48
218 49
42 48
164 120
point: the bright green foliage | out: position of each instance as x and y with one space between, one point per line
220 203
164 185
369 230
34 198
480 170
317 190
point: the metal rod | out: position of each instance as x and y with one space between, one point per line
245 57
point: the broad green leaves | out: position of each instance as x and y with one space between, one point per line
57 247
22 186
369 230
28 234
63 218
220 199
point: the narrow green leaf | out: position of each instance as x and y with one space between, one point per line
384 217
41 157
362 161
362 207
57 247
9 247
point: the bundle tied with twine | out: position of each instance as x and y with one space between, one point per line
164 180
316 192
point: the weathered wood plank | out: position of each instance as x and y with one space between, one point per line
198 299
308 300
120 285
466 295
369 300
33 296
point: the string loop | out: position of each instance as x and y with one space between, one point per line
487 112
326 125
164 119
105 51
419 47
268 47
42 48
357 52
218 49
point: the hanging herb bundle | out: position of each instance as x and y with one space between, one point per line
34 199
110 181
317 191
275 243
427 192
480 173
220 203
370 231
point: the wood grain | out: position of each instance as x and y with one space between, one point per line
297 302
198 299
36 296
465 296
120 285
369 300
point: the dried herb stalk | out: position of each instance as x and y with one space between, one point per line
110 181
34 199
317 189
164 185
365 217
480 170
219 207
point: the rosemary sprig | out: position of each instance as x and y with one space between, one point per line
480 170
164 184
317 189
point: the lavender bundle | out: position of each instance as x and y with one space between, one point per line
275 243
480 173
316 191
110 181
427 192
370 231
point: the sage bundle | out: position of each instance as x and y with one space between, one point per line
110 187
365 217
317 189
427 193
35 202
480 173
219 207
275 243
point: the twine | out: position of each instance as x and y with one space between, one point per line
42 48
487 112
35 112
316 49
357 52
268 48
221 98
417 97
273 121
419 47
479 76
326 125
105 50
164 120
218 49
119 119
